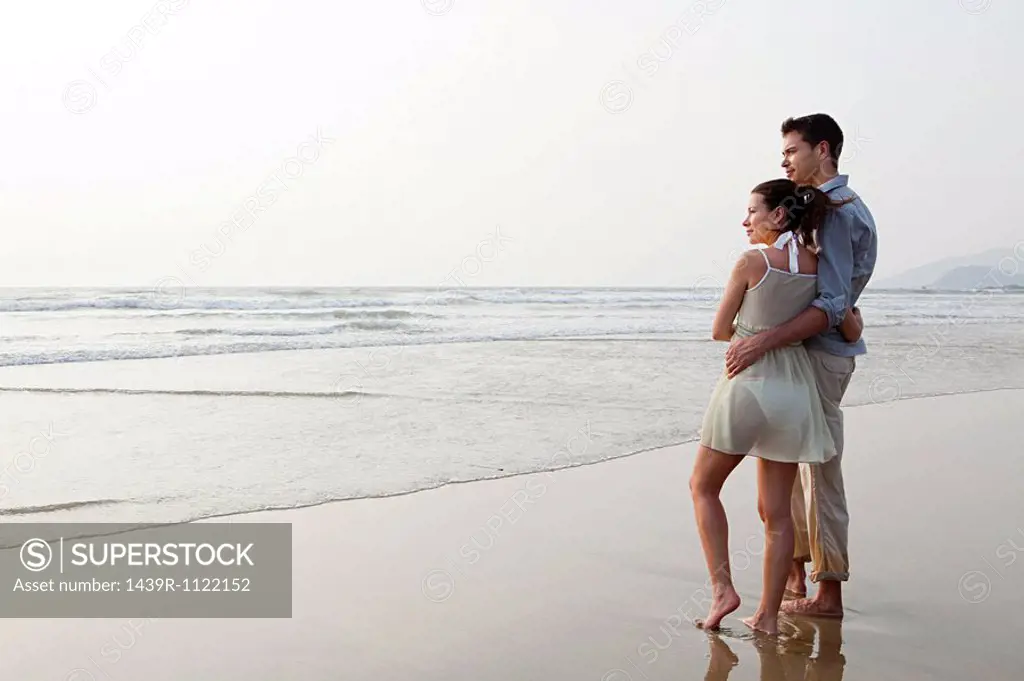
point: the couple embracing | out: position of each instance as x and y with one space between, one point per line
789 313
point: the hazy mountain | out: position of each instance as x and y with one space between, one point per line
980 276
963 272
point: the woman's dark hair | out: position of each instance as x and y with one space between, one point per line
805 206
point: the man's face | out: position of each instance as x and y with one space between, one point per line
800 160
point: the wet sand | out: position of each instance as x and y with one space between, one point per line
594 573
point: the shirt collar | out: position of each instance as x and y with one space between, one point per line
837 181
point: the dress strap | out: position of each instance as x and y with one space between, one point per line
789 238
765 256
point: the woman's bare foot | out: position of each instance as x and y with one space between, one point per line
725 601
796 584
763 623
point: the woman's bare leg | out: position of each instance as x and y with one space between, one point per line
775 490
710 471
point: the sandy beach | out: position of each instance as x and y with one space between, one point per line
376 341
595 572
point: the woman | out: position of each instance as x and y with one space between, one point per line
772 410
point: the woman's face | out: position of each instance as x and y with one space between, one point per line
762 225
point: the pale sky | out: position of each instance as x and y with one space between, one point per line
447 119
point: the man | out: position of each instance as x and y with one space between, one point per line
811 146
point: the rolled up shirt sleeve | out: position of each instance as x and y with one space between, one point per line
835 268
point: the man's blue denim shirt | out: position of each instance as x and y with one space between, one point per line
849 247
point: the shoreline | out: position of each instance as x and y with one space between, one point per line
16 511
591 572
10 514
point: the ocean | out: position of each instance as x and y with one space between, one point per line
135 405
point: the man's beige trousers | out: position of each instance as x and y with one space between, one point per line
820 519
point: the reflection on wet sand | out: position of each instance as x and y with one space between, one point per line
805 650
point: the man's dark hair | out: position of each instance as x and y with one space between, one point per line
817 128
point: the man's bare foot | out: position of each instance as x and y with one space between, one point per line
725 601
812 607
796 584
761 622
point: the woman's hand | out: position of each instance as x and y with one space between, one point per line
852 325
